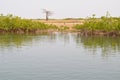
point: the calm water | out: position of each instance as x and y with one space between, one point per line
59 56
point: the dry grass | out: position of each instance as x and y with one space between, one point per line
59 23
62 23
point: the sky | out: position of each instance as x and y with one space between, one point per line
60 8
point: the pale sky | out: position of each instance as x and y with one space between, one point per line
60 8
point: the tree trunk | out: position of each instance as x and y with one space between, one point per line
46 16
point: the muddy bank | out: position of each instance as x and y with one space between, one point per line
24 31
80 32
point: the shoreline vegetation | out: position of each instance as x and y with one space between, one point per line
105 26
14 24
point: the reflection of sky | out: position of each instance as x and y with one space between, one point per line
60 8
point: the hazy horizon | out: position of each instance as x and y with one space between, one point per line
60 8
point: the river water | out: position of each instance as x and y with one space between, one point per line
59 56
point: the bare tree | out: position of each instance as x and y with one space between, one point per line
47 13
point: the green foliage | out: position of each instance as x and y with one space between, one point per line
73 19
63 28
105 23
11 22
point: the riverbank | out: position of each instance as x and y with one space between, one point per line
104 26
88 27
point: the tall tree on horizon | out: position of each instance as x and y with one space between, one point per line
47 14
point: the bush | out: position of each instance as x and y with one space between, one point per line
10 22
105 23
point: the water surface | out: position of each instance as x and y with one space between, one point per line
59 56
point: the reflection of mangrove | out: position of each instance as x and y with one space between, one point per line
64 37
18 40
108 45
21 39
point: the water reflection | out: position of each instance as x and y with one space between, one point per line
58 56
18 40
105 45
